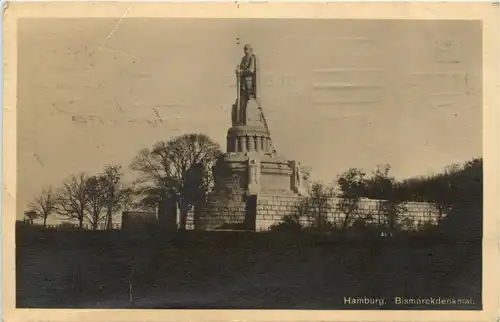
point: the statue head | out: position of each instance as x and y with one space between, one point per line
248 49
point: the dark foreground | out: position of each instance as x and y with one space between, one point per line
241 270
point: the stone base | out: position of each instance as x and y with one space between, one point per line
271 209
268 210
275 173
220 213
275 183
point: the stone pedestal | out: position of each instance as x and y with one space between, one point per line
252 168
273 173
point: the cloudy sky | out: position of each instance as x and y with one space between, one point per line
336 93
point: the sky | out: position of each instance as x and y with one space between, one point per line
336 94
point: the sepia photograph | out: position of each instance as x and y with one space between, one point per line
249 163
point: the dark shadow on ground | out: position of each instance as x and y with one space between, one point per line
241 270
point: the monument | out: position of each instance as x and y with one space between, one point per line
251 164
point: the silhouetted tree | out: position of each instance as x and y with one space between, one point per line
316 206
30 216
44 204
96 201
116 195
72 199
465 188
456 185
152 194
380 184
179 169
352 186
127 199
383 187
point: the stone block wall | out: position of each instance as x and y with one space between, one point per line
272 208
219 213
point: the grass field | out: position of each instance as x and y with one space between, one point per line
243 270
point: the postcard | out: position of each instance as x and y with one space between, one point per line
250 161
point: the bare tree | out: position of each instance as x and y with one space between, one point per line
351 184
383 187
127 199
316 206
44 204
116 195
72 199
96 200
151 193
179 169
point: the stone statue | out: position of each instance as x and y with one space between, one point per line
254 172
305 180
247 73
253 176
297 175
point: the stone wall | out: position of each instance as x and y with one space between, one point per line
272 208
138 220
218 214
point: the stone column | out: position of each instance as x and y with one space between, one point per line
235 144
251 144
258 143
266 144
243 144
228 144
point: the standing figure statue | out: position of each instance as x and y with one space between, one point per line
298 183
253 176
253 172
247 73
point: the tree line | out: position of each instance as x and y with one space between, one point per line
458 185
85 198
178 170
182 171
